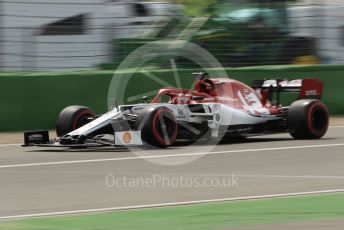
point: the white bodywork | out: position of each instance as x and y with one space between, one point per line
214 113
128 138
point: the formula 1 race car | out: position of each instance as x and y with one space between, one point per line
217 108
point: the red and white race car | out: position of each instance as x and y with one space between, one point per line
217 108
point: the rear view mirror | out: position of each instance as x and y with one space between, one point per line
197 98
145 99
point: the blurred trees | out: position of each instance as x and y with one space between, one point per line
198 7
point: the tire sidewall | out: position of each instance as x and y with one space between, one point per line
313 107
69 118
149 129
300 116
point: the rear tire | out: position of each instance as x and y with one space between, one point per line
307 119
158 126
73 117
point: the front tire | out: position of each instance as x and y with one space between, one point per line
307 119
158 126
73 117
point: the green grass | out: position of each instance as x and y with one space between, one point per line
203 216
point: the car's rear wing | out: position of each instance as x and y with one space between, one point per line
306 88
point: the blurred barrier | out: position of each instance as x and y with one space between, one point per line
34 100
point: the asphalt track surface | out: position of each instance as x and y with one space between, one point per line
46 181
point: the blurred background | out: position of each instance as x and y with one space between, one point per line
98 34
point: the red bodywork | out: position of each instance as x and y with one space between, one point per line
217 90
238 95
311 87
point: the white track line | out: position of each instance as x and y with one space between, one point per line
317 177
166 156
13 144
157 205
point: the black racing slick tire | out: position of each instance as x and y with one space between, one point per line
73 117
158 126
307 119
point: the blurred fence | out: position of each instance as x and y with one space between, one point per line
58 35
